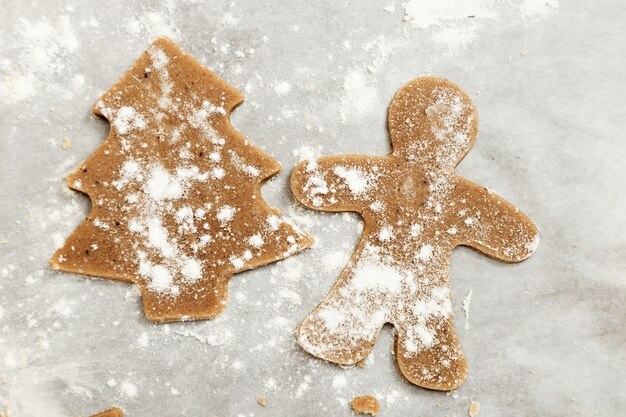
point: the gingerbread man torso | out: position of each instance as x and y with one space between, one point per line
416 210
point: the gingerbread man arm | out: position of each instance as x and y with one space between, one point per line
337 183
493 225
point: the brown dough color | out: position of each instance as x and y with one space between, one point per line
175 190
113 412
416 210
366 404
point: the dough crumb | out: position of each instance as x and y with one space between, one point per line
366 404
66 143
474 408
262 401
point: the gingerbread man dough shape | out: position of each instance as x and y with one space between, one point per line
416 210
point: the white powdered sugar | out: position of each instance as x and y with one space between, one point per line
225 214
256 240
424 14
130 172
218 173
425 253
159 59
317 185
385 234
436 306
128 389
457 23
152 24
127 119
159 276
307 153
161 185
360 99
192 269
42 59
357 181
466 307
375 277
282 88
535 9
158 238
274 222
332 318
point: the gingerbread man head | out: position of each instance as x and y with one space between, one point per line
416 210
432 120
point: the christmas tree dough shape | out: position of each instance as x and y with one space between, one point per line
416 210
175 190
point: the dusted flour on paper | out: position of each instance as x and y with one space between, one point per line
175 191
416 210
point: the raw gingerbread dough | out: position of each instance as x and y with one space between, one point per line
175 190
366 404
416 211
113 412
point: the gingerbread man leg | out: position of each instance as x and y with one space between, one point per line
342 329
428 353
